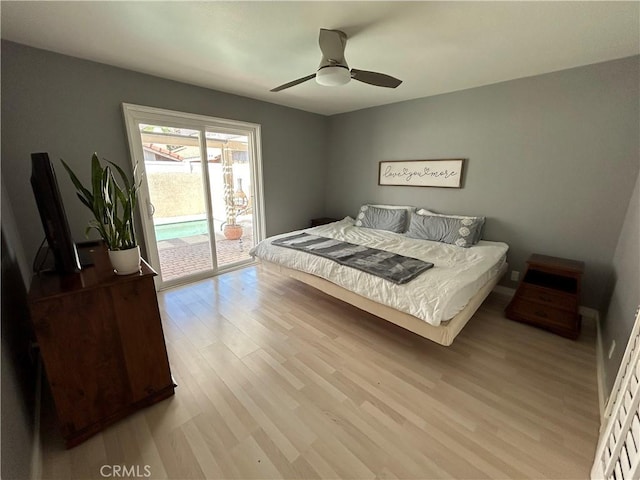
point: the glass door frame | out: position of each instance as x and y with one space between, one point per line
134 115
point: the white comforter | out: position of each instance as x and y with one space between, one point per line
434 296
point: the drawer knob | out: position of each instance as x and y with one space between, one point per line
544 298
540 313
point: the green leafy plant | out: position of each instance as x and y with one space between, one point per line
111 203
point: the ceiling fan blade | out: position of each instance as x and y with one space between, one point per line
295 82
375 78
332 43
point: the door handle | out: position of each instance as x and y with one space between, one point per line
151 209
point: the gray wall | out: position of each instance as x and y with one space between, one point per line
18 371
71 108
552 161
618 321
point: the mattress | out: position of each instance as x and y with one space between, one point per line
435 296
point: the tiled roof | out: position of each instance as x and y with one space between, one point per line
163 152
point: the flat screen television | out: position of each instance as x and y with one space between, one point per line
52 214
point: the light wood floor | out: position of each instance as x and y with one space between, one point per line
277 380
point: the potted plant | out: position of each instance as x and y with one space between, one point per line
112 205
230 229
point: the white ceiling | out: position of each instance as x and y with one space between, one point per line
247 48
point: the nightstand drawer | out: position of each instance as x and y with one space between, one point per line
548 297
560 321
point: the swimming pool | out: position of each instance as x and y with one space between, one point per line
170 231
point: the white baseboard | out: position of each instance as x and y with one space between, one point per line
600 371
36 450
504 290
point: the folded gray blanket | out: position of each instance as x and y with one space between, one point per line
388 265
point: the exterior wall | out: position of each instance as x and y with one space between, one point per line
176 194
176 190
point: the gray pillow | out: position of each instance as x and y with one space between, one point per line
478 235
463 232
391 219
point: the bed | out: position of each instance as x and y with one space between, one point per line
435 305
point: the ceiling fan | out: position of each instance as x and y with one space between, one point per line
333 69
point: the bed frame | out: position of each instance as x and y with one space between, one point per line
443 334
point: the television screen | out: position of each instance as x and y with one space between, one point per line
52 214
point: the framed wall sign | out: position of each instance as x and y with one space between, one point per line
422 173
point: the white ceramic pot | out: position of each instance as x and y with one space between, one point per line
125 262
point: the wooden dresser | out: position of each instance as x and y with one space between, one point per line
548 295
102 344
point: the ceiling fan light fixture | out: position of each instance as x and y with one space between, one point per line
333 75
333 69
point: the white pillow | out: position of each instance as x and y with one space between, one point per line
424 211
408 207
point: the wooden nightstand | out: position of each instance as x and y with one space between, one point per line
548 295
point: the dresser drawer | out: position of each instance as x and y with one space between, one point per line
546 296
560 321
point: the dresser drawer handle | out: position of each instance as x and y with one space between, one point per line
540 313
544 298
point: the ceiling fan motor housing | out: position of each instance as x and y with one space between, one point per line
333 69
333 75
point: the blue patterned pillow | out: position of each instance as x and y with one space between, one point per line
461 231
391 219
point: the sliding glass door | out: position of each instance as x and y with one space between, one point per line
201 200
